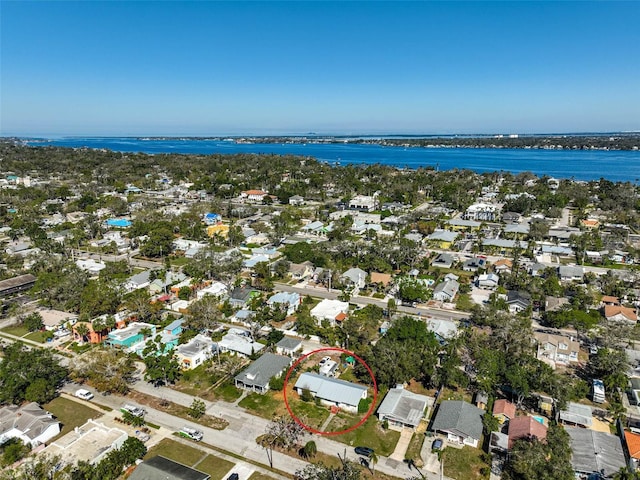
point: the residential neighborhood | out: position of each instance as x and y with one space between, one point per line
483 321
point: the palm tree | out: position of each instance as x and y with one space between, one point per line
82 330
373 458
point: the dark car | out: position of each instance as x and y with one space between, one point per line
233 476
366 451
437 444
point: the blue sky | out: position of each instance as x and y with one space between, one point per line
206 68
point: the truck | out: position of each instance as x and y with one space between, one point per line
597 391
192 433
133 410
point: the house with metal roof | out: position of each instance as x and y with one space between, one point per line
289 301
461 421
595 452
577 414
239 344
442 238
161 468
443 260
332 391
256 377
445 291
403 408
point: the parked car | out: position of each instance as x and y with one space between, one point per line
365 451
84 394
135 411
233 476
191 433
325 360
437 444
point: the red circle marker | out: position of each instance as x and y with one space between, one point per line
315 430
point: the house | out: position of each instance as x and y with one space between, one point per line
137 281
255 259
482 212
212 218
16 284
195 352
329 368
91 266
402 408
329 310
570 273
128 337
301 271
536 269
241 296
161 468
620 313
296 200
446 291
29 423
554 304
443 260
511 217
595 452
517 228
216 289
355 277
461 421
462 224
253 196
473 264
90 442
54 319
332 392
504 410
414 237
244 316
289 301
526 427
444 330
609 300
504 265
363 203
518 301
632 445
442 238
503 244
239 344
218 230
481 399
289 346
256 377
556 349
488 280
577 414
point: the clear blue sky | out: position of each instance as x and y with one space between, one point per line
205 68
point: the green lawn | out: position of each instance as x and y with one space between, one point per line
370 434
415 445
70 413
175 451
309 412
228 392
36 336
264 405
260 476
17 330
193 382
465 463
215 466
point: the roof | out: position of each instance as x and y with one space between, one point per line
578 414
356 275
331 389
460 418
444 258
633 444
443 236
525 427
30 419
195 345
503 262
570 271
449 288
161 468
289 298
403 405
556 340
18 281
610 299
594 451
254 192
613 310
240 343
263 369
460 222
242 293
504 407
289 343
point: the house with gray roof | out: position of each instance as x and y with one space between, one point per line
195 352
518 301
289 346
332 392
256 377
355 276
570 273
239 344
289 301
517 228
594 452
577 414
161 468
443 236
402 408
461 421
445 291
443 260
29 423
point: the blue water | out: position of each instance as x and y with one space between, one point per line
577 164
118 222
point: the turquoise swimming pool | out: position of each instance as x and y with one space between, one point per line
119 222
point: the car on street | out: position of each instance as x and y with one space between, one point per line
365 451
84 394
133 410
233 476
437 444
192 433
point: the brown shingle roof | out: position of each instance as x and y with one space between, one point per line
525 427
613 310
504 407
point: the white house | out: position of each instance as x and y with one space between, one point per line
253 196
290 301
195 352
488 280
239 345
364 203
482 212
91 266
216 289
329 310
445 291
331 391
29 423
556 349
355 276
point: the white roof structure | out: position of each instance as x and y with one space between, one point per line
329 309
403 406
216 289
331 389
239 344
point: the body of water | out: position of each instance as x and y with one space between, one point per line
578 164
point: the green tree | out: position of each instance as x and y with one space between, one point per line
13 450
163 367
33 322
347 470
309 450
133 420
107 369
197 408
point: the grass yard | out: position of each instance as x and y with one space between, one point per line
175 451
17 330
465 464
70 413
215 466
38 336
265 406
260 476
227 392
415 445
309 412
448 394
370 434
194 382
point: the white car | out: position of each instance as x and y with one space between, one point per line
135 411
84 394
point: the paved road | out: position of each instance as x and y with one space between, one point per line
321 292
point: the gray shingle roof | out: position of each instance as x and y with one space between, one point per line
403 406
331 389
460 418
289 343
595 451
263 369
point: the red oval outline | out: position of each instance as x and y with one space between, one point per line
315 430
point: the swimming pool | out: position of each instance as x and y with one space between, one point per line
119 222
539 419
